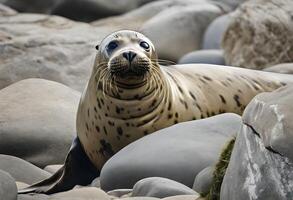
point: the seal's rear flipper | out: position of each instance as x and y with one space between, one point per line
77 170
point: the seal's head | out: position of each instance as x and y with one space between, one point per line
127 55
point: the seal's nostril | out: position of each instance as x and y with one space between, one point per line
129 55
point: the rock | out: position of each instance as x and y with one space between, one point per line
203 180
85 193
188 147
136 18
48 47
261 162
256 22
8 189
140 198
270 115
120 192
21 170
284 68
203 56
213 35
183 197
187 25
81 10
6 11
37 197
52 169
160 188
96 183
232 3
37 121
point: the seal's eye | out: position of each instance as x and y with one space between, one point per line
144 45
112 45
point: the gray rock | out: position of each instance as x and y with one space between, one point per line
231 3
271 116
81 10
261 162
8 190
203 180
204 56
187 147
21 170
84 193
254 172
184 197
37 121
180 29
213 35
254 23
96 183
284 68
120 192
48 47
160 188
6 11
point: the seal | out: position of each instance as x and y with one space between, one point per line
129 95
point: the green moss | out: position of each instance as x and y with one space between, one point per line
219 173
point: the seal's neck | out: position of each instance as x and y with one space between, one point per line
130 102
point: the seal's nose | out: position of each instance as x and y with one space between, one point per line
129 55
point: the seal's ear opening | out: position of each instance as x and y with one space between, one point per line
97 47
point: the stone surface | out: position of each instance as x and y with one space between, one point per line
6 11
84 193
260 34
214 33
203 56
81 10
52 168
187 147
21 185
183 197
120 192
261 161
37 121
48 47
232 3
21 170
8 189
271 116
160 188
203 180
140 198
284 68
254 172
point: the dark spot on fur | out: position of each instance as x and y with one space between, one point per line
194 118
111 123
119 131
213 113
127 135
102 101
176 114
170 116
222 99
136 96
106 114
106 148
175 121
169 106
192 95
127 124
88 112
154 102
100 86
201 116
95 109
117 110
87 126
180 89
98 129
207 78
145 132
236 98
105 130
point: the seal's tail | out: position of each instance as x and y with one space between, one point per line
77 170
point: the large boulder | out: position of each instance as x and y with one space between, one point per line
21 170
6 11
8 190
49 47
261 163
187 147
180 29
160 188
81 10
211 56
260 34
37 120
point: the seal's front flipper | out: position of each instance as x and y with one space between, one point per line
77 170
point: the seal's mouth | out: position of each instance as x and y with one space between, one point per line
130 73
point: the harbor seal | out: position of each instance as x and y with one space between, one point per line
129 95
